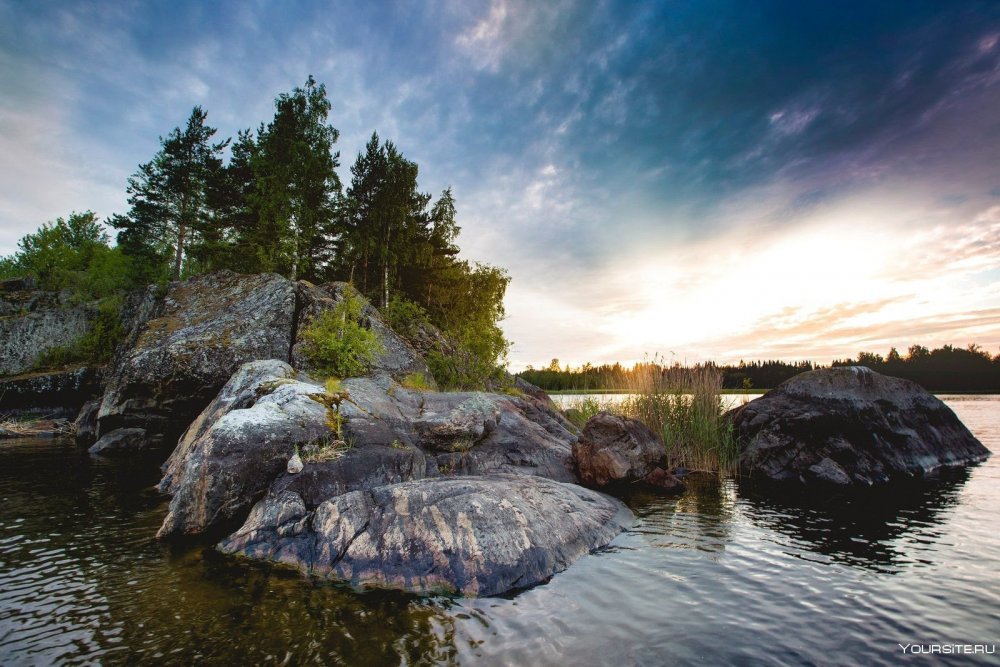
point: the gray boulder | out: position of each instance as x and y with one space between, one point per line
615 449
176 361
850 426
242 442
398 358
121 441
367 432
476 536
85 426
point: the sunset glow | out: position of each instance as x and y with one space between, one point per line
709 181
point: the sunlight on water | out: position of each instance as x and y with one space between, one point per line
717 575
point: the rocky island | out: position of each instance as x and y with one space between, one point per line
399 484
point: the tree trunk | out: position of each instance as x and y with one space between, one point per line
181 232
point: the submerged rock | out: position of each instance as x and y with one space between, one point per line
615 449
120 441
850 427
176 361
476 536
663 481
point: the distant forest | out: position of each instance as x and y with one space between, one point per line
944 369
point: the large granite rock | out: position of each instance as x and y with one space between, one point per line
368 432
476 536
241 442
616 450
850 426
186 346
398 358
465 433
33 322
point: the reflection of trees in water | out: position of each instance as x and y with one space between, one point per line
700 518
883 529
87 582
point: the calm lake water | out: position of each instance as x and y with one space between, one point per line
718 575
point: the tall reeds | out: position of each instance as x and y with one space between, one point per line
684 405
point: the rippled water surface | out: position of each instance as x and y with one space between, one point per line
718 575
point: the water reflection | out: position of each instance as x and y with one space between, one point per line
700 518
884 530
83 580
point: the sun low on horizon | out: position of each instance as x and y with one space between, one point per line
700 181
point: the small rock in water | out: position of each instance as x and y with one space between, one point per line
664 481
294 464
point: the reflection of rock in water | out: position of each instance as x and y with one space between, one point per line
883 529
701 518
82 580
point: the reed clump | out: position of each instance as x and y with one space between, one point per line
682 404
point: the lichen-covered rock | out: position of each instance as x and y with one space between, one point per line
242 441
850 426
615 449
32 322
398 358
476 536
355 469
248 383
231 455
201 332
52 392
468 433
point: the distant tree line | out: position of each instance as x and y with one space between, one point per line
278 205
615 377
944 369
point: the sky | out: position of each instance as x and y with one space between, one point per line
697 180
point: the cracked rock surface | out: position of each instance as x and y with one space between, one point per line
475 536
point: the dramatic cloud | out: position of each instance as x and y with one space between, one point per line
716 179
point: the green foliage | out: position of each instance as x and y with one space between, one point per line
405 317
684 406
337 344
295 186
416 382
71 254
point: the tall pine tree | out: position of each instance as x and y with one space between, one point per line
296 186
169 198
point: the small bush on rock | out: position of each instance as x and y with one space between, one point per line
337 344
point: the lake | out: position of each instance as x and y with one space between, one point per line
717 575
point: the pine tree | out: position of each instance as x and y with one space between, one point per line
168 196
296 186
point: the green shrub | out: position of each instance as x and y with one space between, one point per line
416 381
335 342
